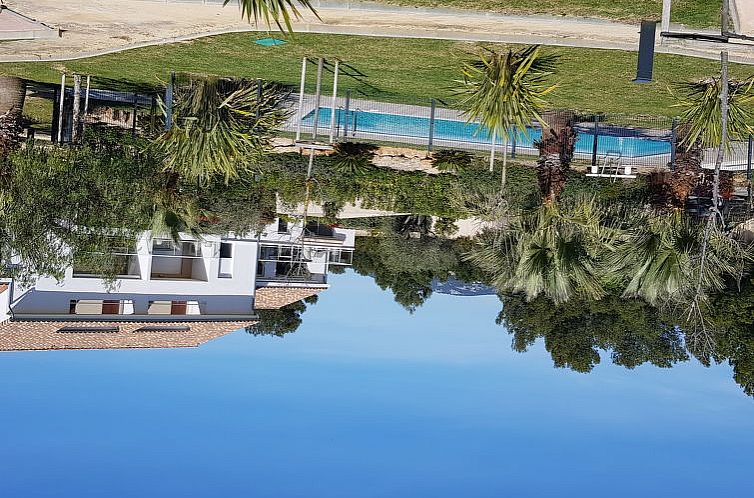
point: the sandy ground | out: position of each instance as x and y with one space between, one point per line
95 27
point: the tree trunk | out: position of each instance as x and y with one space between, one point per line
12 96
76 132
555 154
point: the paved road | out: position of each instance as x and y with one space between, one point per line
96 27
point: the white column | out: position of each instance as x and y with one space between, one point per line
301 100
665 16
334 97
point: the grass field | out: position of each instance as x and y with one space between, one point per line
697 13
397 70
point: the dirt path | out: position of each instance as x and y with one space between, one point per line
94 27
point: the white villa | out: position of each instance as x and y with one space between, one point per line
169 293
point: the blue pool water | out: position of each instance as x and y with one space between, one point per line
460 131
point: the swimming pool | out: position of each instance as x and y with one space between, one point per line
399 125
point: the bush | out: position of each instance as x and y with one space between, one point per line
353 157
451 160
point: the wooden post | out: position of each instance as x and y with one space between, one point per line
302 88
60 109
333 110
725 18
76 116
317 95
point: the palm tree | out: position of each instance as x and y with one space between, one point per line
556 150
277 11
221 126
505 92
12 96
555 251
707 105
660 256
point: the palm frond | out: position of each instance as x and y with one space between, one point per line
279 12
507 90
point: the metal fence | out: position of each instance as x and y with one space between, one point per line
129 110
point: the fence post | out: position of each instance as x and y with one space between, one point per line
153 114
748 174
596 138
317 94
60 108
301 90
169 102
345 114
673 143
333 105
55 116
86 103
133 118
433 105
513 143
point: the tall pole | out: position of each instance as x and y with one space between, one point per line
334 97
60 109
318 94
86 103
725 17
665 26
86 97
301 89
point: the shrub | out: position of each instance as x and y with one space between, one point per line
353 157
451 160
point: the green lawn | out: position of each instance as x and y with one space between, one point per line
697 13
397 70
